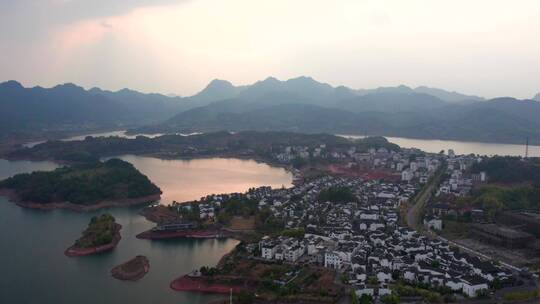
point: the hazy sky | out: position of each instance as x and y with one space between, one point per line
484 47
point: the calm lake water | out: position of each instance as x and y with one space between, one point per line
461 147
428 145
185 180
35 270
121 133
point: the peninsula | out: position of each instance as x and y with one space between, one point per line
82 187
102 234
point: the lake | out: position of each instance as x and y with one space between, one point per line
428 145
35 270
185 180
120 133
461 147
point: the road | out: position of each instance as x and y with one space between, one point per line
416 209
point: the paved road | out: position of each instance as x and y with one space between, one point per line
414 214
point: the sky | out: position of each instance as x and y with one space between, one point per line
484 47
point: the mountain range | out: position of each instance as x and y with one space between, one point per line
299 104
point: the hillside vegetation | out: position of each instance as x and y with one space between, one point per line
84 184
100 231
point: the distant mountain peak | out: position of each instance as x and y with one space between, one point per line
219 83
450 96
96 90
69 86
217 89
537 97
303 78
11 84
404 87
269 80
217 86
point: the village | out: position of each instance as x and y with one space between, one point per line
354 226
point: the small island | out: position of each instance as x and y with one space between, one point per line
132 270
82 187
102 234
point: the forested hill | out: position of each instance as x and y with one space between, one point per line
69 108
502 120
305 105
83 184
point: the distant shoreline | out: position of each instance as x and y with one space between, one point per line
14 198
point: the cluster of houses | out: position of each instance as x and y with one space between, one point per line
421 168
410 163
458 183
364 241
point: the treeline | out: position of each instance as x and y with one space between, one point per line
493 199
84 184
249 142
100 231
522 192
337 195
510 169
236 207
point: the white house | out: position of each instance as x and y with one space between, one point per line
473 285
433 223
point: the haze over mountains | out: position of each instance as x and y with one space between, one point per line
299 104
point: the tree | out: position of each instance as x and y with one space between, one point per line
245 297
496 284
337 195
294 233
390 299
366 299
354 297
491 206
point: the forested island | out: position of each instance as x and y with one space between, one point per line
102 234
82 187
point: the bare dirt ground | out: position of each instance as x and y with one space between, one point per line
517 257
240 223
160 214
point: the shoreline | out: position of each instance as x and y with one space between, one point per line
142 267
125 202
198 284
296 174
74 251
188 234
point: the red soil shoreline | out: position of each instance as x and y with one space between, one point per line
119 272
195 234
197 284
13 197
74 251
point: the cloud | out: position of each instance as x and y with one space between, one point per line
107 25
68 11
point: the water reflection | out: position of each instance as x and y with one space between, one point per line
184 180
